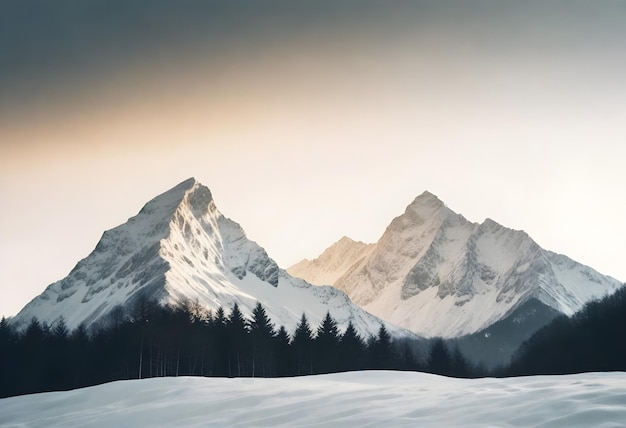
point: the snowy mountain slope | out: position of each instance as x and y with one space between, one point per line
179 247
332 263
369 398
438 274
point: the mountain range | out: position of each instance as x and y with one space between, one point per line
435 273
180 247
432 273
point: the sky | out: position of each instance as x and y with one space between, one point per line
309 121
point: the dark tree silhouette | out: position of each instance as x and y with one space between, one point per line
351 350
303 347
262 340
325 346
156 340
439 359
236 333
382 352
460 366
8 355
283 353
218 344
593 339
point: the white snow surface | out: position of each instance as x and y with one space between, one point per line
181 247
370 398
438 274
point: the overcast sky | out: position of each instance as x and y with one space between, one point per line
309 121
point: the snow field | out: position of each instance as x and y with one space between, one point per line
370 398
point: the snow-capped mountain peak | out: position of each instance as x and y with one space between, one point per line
421 209
438 274
180 247
427 198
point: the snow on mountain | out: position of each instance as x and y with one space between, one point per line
180 247
367 398
438 274
332 263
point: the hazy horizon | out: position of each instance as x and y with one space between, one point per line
309 120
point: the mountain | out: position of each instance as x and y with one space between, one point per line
333 263
181 247
438 274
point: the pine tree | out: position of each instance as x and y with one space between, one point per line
351 350
460 367
80 356
325 345
439 360
261 336
60 330
6 332
58 356
9 367
220 317
381 350
34 332
217 346
408 355
237 339
283 353
303 347
33 348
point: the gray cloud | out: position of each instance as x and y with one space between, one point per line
54 50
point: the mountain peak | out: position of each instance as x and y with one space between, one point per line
427 194
427 198
422 208
168 201
188 183
179 191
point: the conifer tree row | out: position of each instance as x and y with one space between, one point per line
185 340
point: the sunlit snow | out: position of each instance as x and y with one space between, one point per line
375 398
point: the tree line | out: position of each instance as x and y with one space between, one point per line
593 339
187 340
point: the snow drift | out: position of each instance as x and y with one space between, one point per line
375 399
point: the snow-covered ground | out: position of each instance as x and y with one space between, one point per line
377 398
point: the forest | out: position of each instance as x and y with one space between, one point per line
186 340
592 340
152 340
